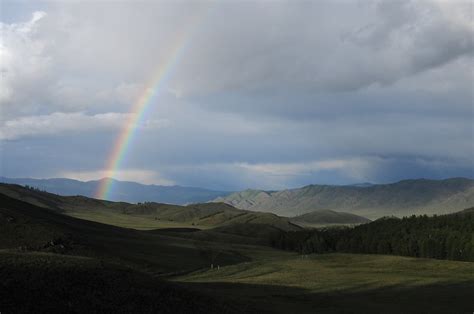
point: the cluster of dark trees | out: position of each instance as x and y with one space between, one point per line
32 188
442 237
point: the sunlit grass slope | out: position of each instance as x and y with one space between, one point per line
345 283
329 272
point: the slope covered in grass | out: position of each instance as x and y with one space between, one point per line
27 227
328 217
344 283
145 216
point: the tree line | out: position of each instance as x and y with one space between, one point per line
441 237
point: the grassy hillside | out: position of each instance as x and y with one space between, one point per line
320 218
400 199
343 283
148 215
26 227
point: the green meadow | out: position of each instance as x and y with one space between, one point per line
130 221
344 283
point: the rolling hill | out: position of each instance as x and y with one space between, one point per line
26 227
406 197
50 262
123 190
148 215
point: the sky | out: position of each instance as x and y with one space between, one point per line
258 94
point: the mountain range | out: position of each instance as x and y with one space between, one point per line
124 191
408 197
403 198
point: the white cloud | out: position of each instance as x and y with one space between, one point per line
23 64
43 71
60 123
81 55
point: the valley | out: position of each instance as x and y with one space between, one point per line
201 258
236 157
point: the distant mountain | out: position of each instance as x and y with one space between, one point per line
362 185
122 190
328 217
465 211
420 196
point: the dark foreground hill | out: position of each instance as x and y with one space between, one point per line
122 190
50 262
26 227
374 201
33 282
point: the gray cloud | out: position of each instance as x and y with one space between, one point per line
382 86
62 123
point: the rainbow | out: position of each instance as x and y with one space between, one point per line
139 110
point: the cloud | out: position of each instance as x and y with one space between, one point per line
23 63
81 56
321 46
264 94
59 124
276 175
41 73
349 166
273 176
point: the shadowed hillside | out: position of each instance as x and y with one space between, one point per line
26 227
49 283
